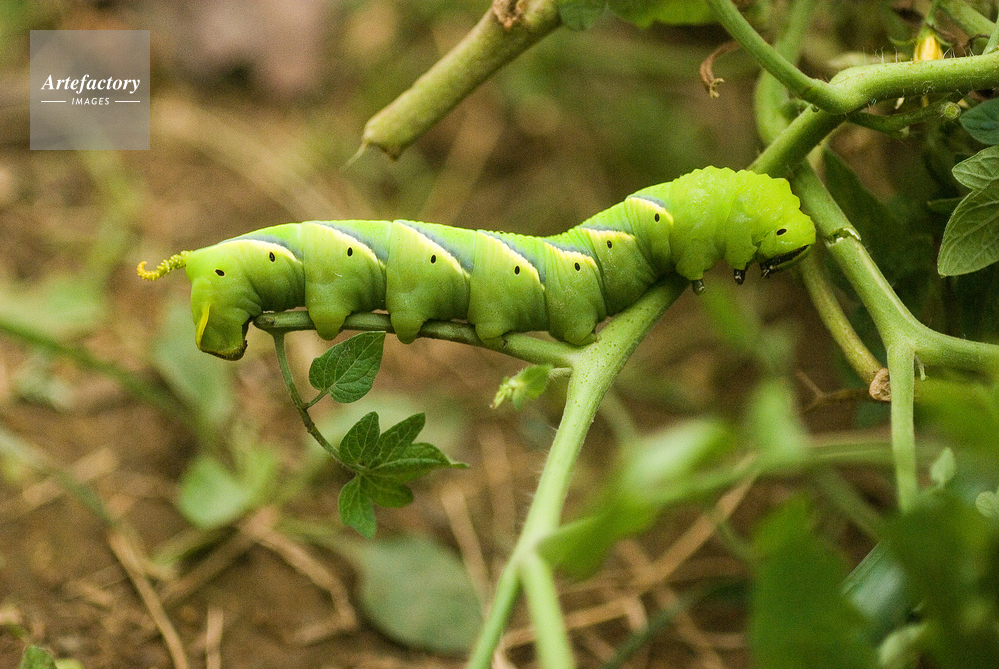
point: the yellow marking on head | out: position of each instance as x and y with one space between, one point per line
202 322
173 262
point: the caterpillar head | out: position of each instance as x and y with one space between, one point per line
787 242
221 313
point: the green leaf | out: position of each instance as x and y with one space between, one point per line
876 587
356 508
943 468
418 593
36 657
980 170
982 122
800 618
212 496
580 14
971 239
525 385
347 370
987 504
656 473
950 554
445 424
671 12
383 464
360 442
773 417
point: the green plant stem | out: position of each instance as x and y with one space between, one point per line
903 435
505 31
520 346
966 17
821 291
594 367
892 319
552 638
904 336
858 87
296 397
993 42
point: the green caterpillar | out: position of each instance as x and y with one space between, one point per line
498 282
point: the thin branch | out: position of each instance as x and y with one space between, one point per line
128 557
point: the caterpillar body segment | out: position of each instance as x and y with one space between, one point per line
499 282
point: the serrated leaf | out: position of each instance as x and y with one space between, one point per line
356 508
386 492
971 238
644 13
418 593
400 435
580 14
445 425
414 461
980 170
360 442
527 384
382 464
347 370
982 122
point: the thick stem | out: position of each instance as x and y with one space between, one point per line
594 368
861 86
903 434
506 31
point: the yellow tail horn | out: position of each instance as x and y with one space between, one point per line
164 268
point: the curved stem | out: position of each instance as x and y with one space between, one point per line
861 86
820 290
553 647
296 397
891 317
966 17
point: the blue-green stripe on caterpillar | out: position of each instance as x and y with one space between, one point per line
498 282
